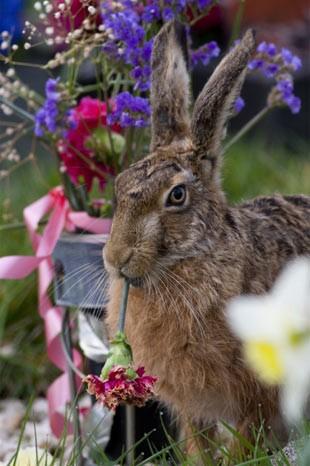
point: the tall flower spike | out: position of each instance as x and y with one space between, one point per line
46 117
280 66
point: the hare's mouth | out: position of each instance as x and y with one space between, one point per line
136 282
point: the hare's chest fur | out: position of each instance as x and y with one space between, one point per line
193 365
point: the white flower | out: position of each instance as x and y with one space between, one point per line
49 8
275 329
32 456
37 6
92 10
5 44
10 72
49 30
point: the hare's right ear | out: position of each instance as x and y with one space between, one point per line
215 102
170 96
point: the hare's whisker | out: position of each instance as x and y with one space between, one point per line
86 278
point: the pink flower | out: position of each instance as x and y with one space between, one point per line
77 154
123 385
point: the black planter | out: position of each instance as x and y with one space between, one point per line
79 279
79 267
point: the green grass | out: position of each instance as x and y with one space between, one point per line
259 453
252 170
249 170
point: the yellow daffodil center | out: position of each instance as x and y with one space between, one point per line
265 359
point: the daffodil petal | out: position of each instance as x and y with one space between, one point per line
256 317
292 291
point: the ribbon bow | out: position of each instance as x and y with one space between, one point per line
61 218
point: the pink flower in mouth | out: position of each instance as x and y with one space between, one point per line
123 385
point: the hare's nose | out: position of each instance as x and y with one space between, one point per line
125 259
118 258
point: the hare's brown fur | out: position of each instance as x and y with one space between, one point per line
189 262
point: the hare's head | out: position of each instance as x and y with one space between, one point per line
171 200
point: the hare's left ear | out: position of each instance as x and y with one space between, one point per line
215 102
170 96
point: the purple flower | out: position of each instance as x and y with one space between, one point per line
239 105
202 4
168 14
286 96
151 13
255 64
271 69
46 116
267 48
296 63
130 111
287 56
280 66
128 39
39 122
205 53
285 86
129 26
51 89
290 59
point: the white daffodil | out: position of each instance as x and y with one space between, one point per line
32 456
275 330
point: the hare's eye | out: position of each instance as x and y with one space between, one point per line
177 196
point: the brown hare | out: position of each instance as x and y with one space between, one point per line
187 252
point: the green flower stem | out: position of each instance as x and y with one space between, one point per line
237 23
17 225
105 86
123 306
247 127
120 353
20 111
8 61
86 89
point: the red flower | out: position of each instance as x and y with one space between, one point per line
79 159
123 385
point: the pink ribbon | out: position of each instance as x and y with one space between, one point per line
61 218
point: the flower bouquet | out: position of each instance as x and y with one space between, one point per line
95 129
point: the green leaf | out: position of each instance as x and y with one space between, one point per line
105 144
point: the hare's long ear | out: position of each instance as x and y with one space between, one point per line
170 96
215 102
